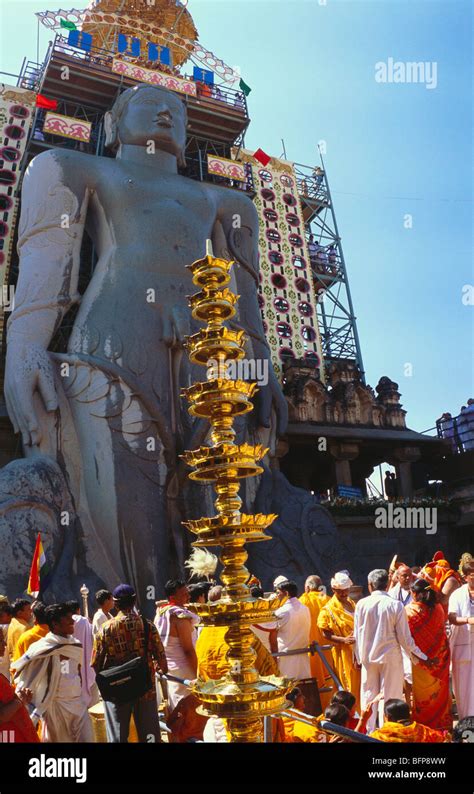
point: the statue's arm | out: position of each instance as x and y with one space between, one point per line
54 205
235 236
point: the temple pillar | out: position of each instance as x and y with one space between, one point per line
402 458
343 453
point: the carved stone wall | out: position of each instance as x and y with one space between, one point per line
344 400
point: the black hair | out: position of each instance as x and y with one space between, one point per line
73 605
396 710
173 585
463 731
345 698
4 607
102 596
468 567
256 592
337 713
55 612
294 694
19 604
428 596
198 589
289 587
39 610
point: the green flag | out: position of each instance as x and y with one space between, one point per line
245 88
64 23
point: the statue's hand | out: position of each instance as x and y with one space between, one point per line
175 324
271 396
28 369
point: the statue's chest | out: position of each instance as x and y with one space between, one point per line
165 204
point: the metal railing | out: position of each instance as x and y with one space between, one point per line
458 430
92 146
312 649
97 56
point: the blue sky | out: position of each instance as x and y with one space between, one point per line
392 150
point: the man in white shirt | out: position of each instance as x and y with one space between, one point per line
264 630
105 603
401 592
381 631
293 621
461 617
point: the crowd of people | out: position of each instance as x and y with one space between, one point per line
397 664
323 258
458 430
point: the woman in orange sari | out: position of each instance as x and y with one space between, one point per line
431 695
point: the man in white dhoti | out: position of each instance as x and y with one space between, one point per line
177 628
83 633
381 632
401 592
293 629
51 670
461 617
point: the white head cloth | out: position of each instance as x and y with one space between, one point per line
341 581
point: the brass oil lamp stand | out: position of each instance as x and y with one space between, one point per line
241 697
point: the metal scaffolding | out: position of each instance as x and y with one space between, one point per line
216 123
337 321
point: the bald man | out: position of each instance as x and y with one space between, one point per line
401 592
315 597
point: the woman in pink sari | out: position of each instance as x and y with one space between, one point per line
431 694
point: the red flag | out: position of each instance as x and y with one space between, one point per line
262 157
44 102
34 580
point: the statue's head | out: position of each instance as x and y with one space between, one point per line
148 113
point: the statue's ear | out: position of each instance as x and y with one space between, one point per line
110 127
181 159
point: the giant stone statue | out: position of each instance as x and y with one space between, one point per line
104 423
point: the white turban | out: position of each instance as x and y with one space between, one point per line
279 580
341 581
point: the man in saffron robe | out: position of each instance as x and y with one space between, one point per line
399 727
315 597
20 622
211 651
39 630
336 621
431 693
296 731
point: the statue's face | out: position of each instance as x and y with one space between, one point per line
154 114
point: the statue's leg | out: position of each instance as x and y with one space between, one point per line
123 479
